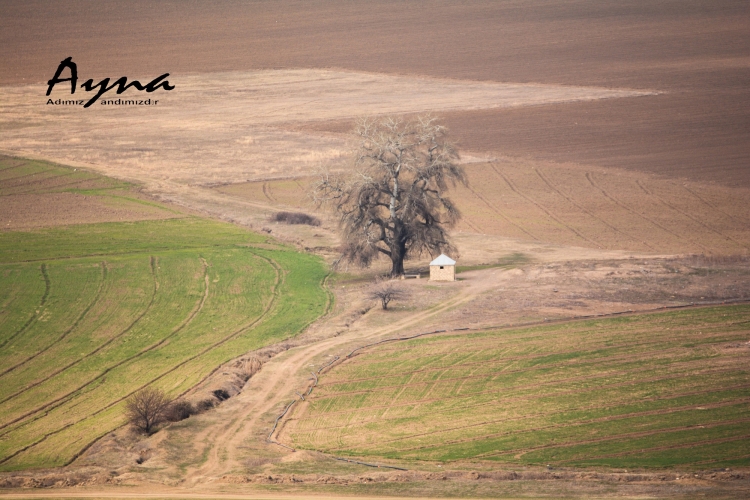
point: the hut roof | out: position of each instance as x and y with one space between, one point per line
443 260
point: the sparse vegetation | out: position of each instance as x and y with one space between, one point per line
653 390
385 292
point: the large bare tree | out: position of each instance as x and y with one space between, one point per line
394 201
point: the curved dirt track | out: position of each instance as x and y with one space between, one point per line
275 385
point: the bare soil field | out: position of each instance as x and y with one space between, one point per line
696 52
39 194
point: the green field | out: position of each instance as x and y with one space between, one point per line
655 390
91 313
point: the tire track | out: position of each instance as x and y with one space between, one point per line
47 189
21 164
153 263
535 368
96 298
590 178
669 205
267 192
5 181
616 404
714 207
274 295
610 418
588 212
569 425
671 376
539 206
34 315
498 212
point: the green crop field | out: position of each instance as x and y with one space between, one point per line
91 313
654 390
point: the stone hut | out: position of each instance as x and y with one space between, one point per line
443 269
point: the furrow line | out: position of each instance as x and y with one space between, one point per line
498 212
34 315
630 435
71 328
670 447
279 280
38 382
669 205
588 212
542 208
590 178
714 207
535 396
556 426
615 404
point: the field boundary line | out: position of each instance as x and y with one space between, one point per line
669 205
542 208
585 210
589 176
34 315
96 298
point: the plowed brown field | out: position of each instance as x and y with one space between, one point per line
696 51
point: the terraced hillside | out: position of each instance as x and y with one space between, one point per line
90 313
663 389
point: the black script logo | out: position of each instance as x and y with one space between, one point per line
104 86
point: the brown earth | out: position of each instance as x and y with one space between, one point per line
698 52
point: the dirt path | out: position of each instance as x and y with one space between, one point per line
274 386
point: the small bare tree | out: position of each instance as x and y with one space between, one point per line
147 408
394 203
386 292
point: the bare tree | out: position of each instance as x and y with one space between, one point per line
386 292
147 408
394 203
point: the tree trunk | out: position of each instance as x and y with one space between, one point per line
398 251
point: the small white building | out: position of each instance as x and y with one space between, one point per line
443 269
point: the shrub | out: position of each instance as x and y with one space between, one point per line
147 408
295 218
206 405
385 292
180 410
221 394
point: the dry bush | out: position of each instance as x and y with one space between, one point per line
147 408
385 292
180 410
295 218
206 405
